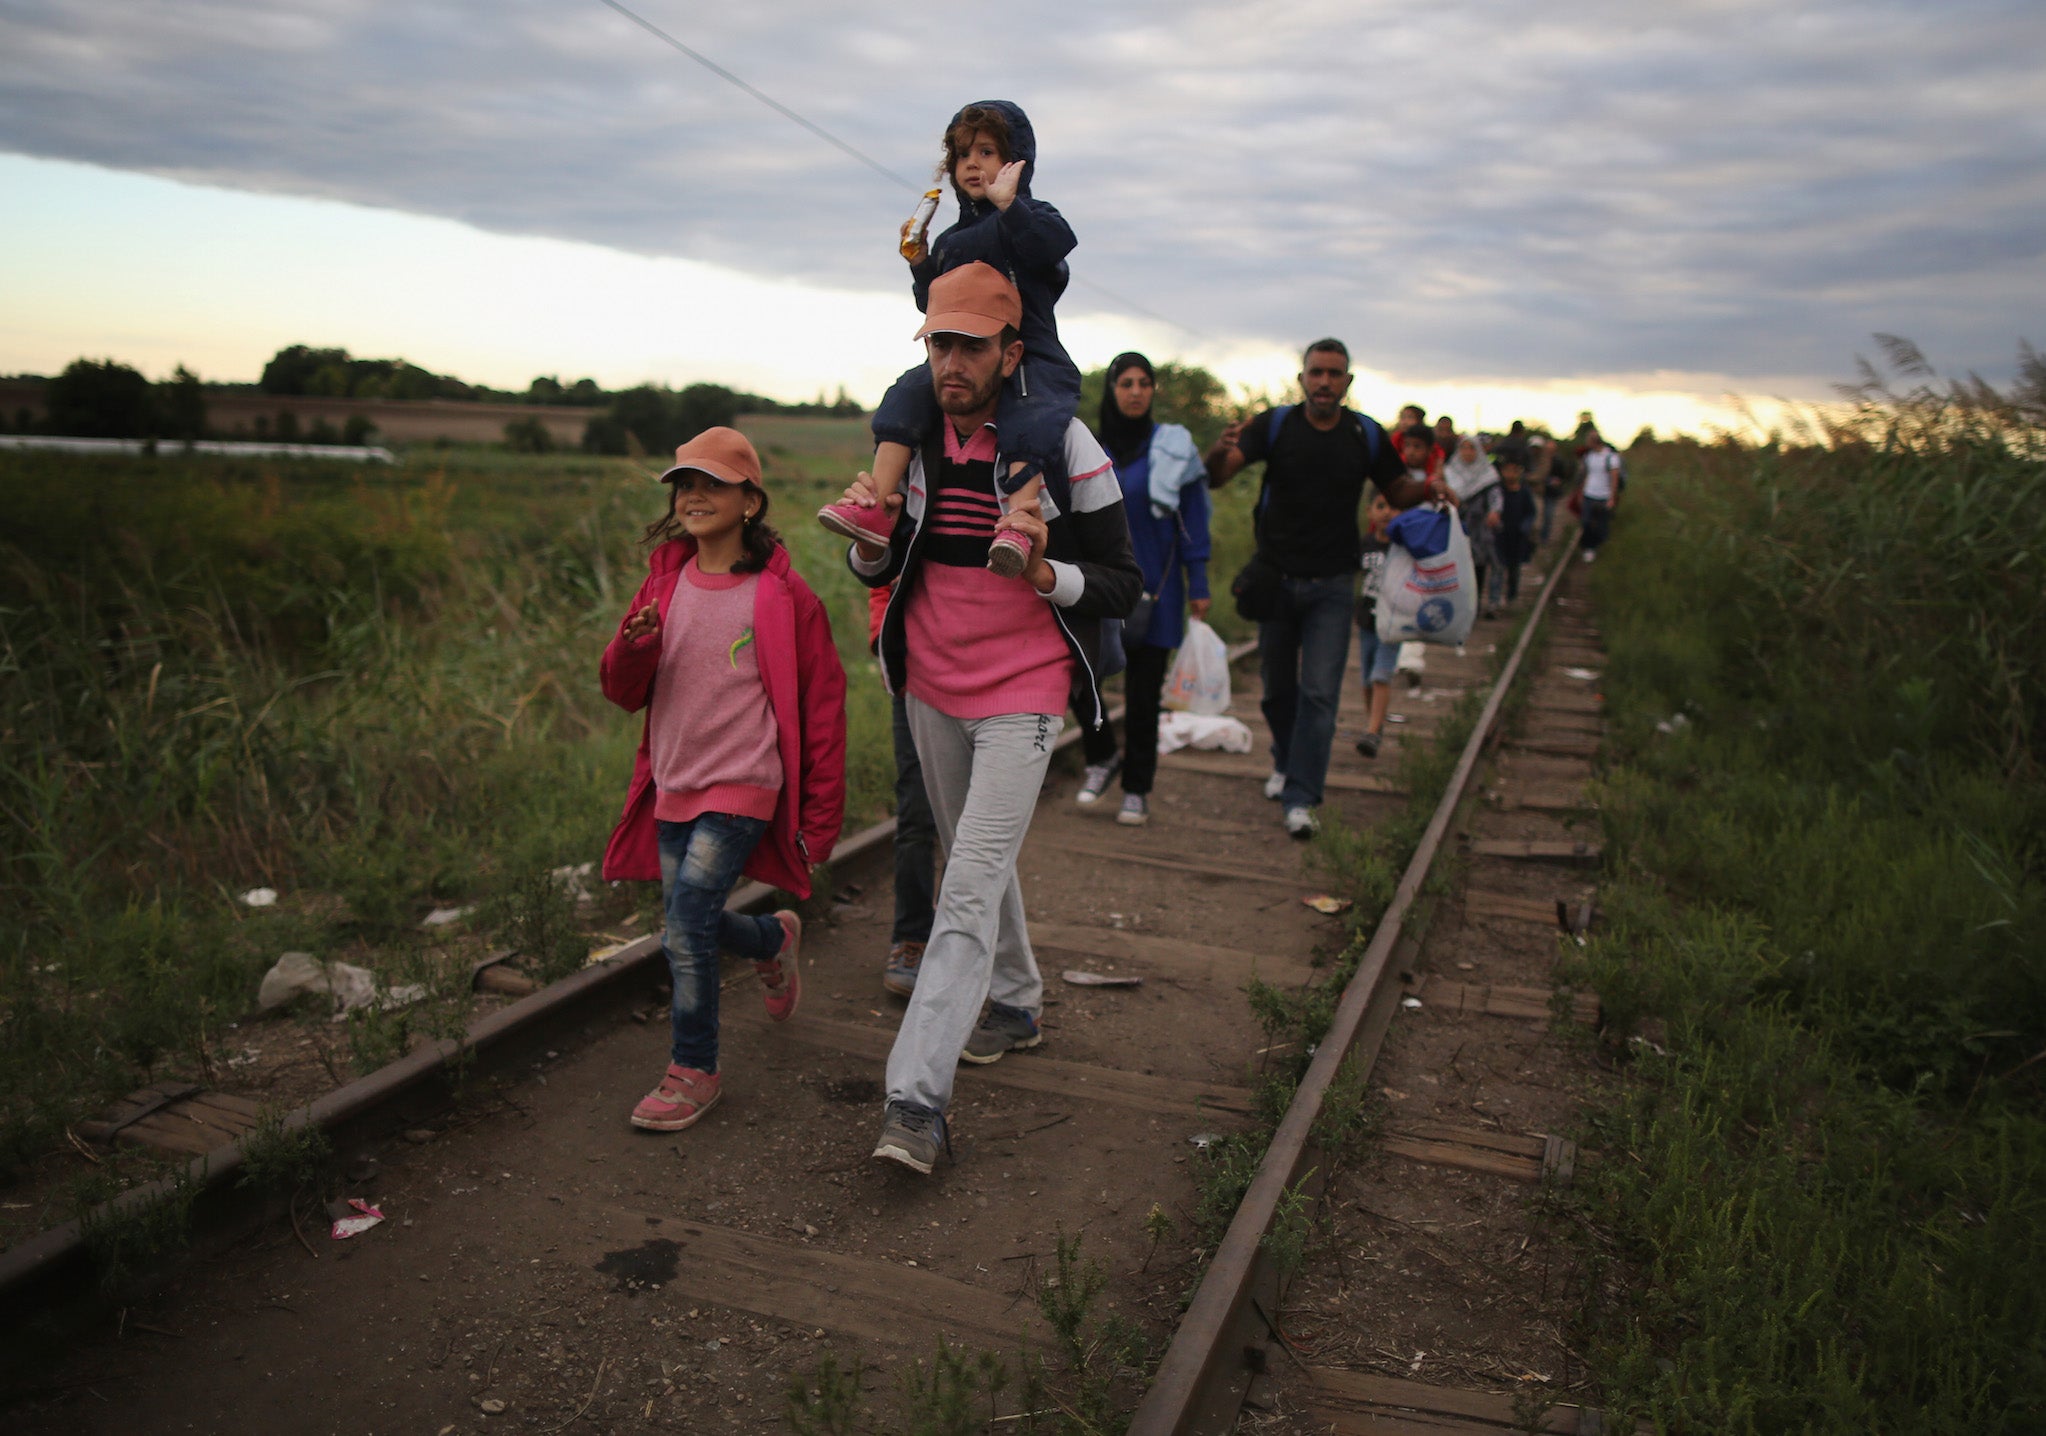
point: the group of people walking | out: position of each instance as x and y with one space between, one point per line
1004 542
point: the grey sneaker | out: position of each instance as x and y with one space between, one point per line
913 1135
1094 782
899 977
1275 785
1136 810
1004 1029
1368 745
1302 823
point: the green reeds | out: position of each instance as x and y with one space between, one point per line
1825 1181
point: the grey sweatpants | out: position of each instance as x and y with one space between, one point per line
983 776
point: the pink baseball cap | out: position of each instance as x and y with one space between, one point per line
975 299
724 454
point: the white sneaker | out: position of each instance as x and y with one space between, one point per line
1136 811
1094 782
1275 785
1590 554
1302 823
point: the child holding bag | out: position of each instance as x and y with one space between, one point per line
741 763
1379 655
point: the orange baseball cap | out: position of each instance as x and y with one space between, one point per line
724 454
975 299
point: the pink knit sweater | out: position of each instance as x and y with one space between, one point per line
712 734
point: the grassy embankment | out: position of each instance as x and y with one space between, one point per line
1825 1183
373 690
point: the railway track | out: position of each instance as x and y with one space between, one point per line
542 1266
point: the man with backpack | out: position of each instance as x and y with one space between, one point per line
1300 587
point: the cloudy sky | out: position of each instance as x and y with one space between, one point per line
1520 207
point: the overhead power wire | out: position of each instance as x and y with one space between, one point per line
852 151
766 99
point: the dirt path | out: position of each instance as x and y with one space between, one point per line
545 1256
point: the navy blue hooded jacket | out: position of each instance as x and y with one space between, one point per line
1029 242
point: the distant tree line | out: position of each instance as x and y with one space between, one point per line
300 370
653 416
103 398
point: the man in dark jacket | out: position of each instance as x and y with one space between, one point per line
987 665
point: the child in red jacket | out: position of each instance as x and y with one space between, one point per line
741 765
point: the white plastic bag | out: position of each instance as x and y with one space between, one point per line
1217 731
1199 680
1429 600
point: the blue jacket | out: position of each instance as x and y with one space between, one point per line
1170 543
1029 242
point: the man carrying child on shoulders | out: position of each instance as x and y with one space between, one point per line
987 663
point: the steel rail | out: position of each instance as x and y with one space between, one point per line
1198 1386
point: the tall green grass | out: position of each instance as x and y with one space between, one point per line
1827 1173
372 690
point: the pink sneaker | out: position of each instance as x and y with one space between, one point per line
1008 553
780 974
684 1095
861 525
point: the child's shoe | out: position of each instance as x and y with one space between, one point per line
684 1095
1008 553
899 976
780 974
860 523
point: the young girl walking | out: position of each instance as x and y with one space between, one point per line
741 764
990 155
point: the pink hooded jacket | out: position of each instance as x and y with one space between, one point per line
806 690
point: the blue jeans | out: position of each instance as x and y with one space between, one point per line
1301 655
916 840
701 861
1598 518
1378 657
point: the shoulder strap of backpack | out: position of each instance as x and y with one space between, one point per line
1373 435
1272 428
1264 488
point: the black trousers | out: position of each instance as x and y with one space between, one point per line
916 840
1143 682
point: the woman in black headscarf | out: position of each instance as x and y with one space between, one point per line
1165 498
